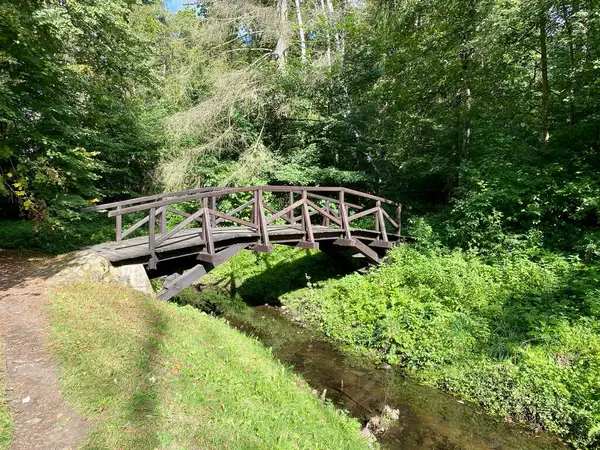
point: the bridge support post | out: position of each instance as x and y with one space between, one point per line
344 216
264 243
152 238
207 228
291 214
119 225
309 237
399 219
175 285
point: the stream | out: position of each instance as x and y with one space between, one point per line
429 418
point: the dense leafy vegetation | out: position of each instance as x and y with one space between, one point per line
482 115
516 334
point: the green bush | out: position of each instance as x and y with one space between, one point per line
70 236
520 337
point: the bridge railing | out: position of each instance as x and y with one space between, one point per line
295 206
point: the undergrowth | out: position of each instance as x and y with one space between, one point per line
158 375
56 239
520 337
517 333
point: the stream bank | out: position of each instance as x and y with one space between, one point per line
429 418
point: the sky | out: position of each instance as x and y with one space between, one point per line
175 5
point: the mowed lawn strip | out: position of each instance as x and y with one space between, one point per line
157 375
6 424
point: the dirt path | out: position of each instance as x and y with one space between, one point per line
43 419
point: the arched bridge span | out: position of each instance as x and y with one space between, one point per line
198 229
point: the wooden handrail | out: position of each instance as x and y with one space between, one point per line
169 198
262 214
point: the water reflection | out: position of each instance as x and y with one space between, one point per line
429 419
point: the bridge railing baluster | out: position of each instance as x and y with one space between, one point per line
163 221
329 202
119 225
344 215
152 238
213 206
291 213
380 221
209 244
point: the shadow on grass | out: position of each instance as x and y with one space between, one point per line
143 407
279 278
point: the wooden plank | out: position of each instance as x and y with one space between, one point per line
292 219
389 218
148 198
151 239
182 281
307 225
324 213
207 231
362 214
223 255
228 218
332 200
264 229
344 216
135 226
119 227
308 245
180 226
274 211
368 253
370 196
381 244
381 223
325 218
261 248
217 192
284 211
213 207
236 210
138 224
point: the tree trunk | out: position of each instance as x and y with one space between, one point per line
545 85
334 22
569 25
301 30
327 34
282 44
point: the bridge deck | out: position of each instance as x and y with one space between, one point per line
190 241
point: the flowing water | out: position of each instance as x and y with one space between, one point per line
429 419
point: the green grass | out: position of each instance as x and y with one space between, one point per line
157 375
6 424
518 336
265 277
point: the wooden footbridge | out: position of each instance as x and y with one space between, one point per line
195 230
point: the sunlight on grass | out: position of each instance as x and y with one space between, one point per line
6 425
156 375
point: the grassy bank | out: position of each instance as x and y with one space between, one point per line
518 335
156 375
521 338
6 424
